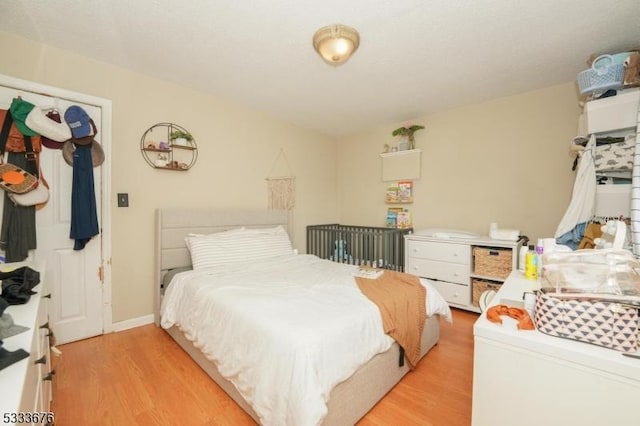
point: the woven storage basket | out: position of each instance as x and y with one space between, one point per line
479 287
492 262
604 74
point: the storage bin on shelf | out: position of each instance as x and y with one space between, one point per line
604 74
479 286
492 262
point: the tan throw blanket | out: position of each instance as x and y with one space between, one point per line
401 300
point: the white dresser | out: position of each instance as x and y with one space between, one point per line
528 378
455 265
25 387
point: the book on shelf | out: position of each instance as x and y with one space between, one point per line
403 220
397 217
391 196
405 191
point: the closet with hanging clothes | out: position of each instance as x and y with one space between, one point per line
605 160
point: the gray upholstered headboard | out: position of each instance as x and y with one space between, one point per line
173 225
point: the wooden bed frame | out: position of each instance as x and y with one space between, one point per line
350 400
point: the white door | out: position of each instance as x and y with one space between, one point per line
74 278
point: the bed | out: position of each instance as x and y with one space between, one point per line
349 398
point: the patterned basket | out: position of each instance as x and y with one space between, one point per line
604 74
600 322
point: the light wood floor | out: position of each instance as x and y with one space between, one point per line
141 377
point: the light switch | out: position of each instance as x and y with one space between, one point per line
123 200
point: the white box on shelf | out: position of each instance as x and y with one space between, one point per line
613 113
613 200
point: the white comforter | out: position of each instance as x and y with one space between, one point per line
283 331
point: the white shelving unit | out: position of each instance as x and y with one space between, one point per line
453 267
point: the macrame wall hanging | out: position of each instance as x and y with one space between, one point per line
281 189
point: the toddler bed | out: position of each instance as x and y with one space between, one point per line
340 396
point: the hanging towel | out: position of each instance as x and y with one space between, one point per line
84 216
635 192
582 202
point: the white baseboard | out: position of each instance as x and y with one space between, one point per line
132 323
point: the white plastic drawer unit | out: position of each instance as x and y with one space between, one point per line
445 252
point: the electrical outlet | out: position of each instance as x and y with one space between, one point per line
123 200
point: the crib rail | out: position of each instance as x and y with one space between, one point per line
358 245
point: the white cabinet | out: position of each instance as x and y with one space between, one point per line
614 113
25 387
529 378
456 265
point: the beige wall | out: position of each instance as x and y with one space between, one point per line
503 161
237 148
506 161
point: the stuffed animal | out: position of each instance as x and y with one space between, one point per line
632 70
340 251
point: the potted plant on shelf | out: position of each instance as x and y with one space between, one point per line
407 132
180 137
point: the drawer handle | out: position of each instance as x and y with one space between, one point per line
49 377
47 296
42 360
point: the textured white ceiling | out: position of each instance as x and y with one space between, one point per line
415 56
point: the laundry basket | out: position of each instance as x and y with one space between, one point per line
604 74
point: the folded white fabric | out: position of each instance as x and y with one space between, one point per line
504 234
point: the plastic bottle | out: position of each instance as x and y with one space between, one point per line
522 254
539 253
531 265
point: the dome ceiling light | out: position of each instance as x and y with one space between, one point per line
336 43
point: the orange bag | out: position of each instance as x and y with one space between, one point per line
15 141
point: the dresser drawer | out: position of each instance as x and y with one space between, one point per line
446 252
434 269
453 293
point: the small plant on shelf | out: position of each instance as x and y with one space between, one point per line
408 130
178 134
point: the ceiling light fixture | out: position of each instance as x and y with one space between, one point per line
336 43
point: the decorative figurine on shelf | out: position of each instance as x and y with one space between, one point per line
161 160
407 131
151 145
164 145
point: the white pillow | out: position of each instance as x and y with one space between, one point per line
212 235
235 247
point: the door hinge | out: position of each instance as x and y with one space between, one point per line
101 273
